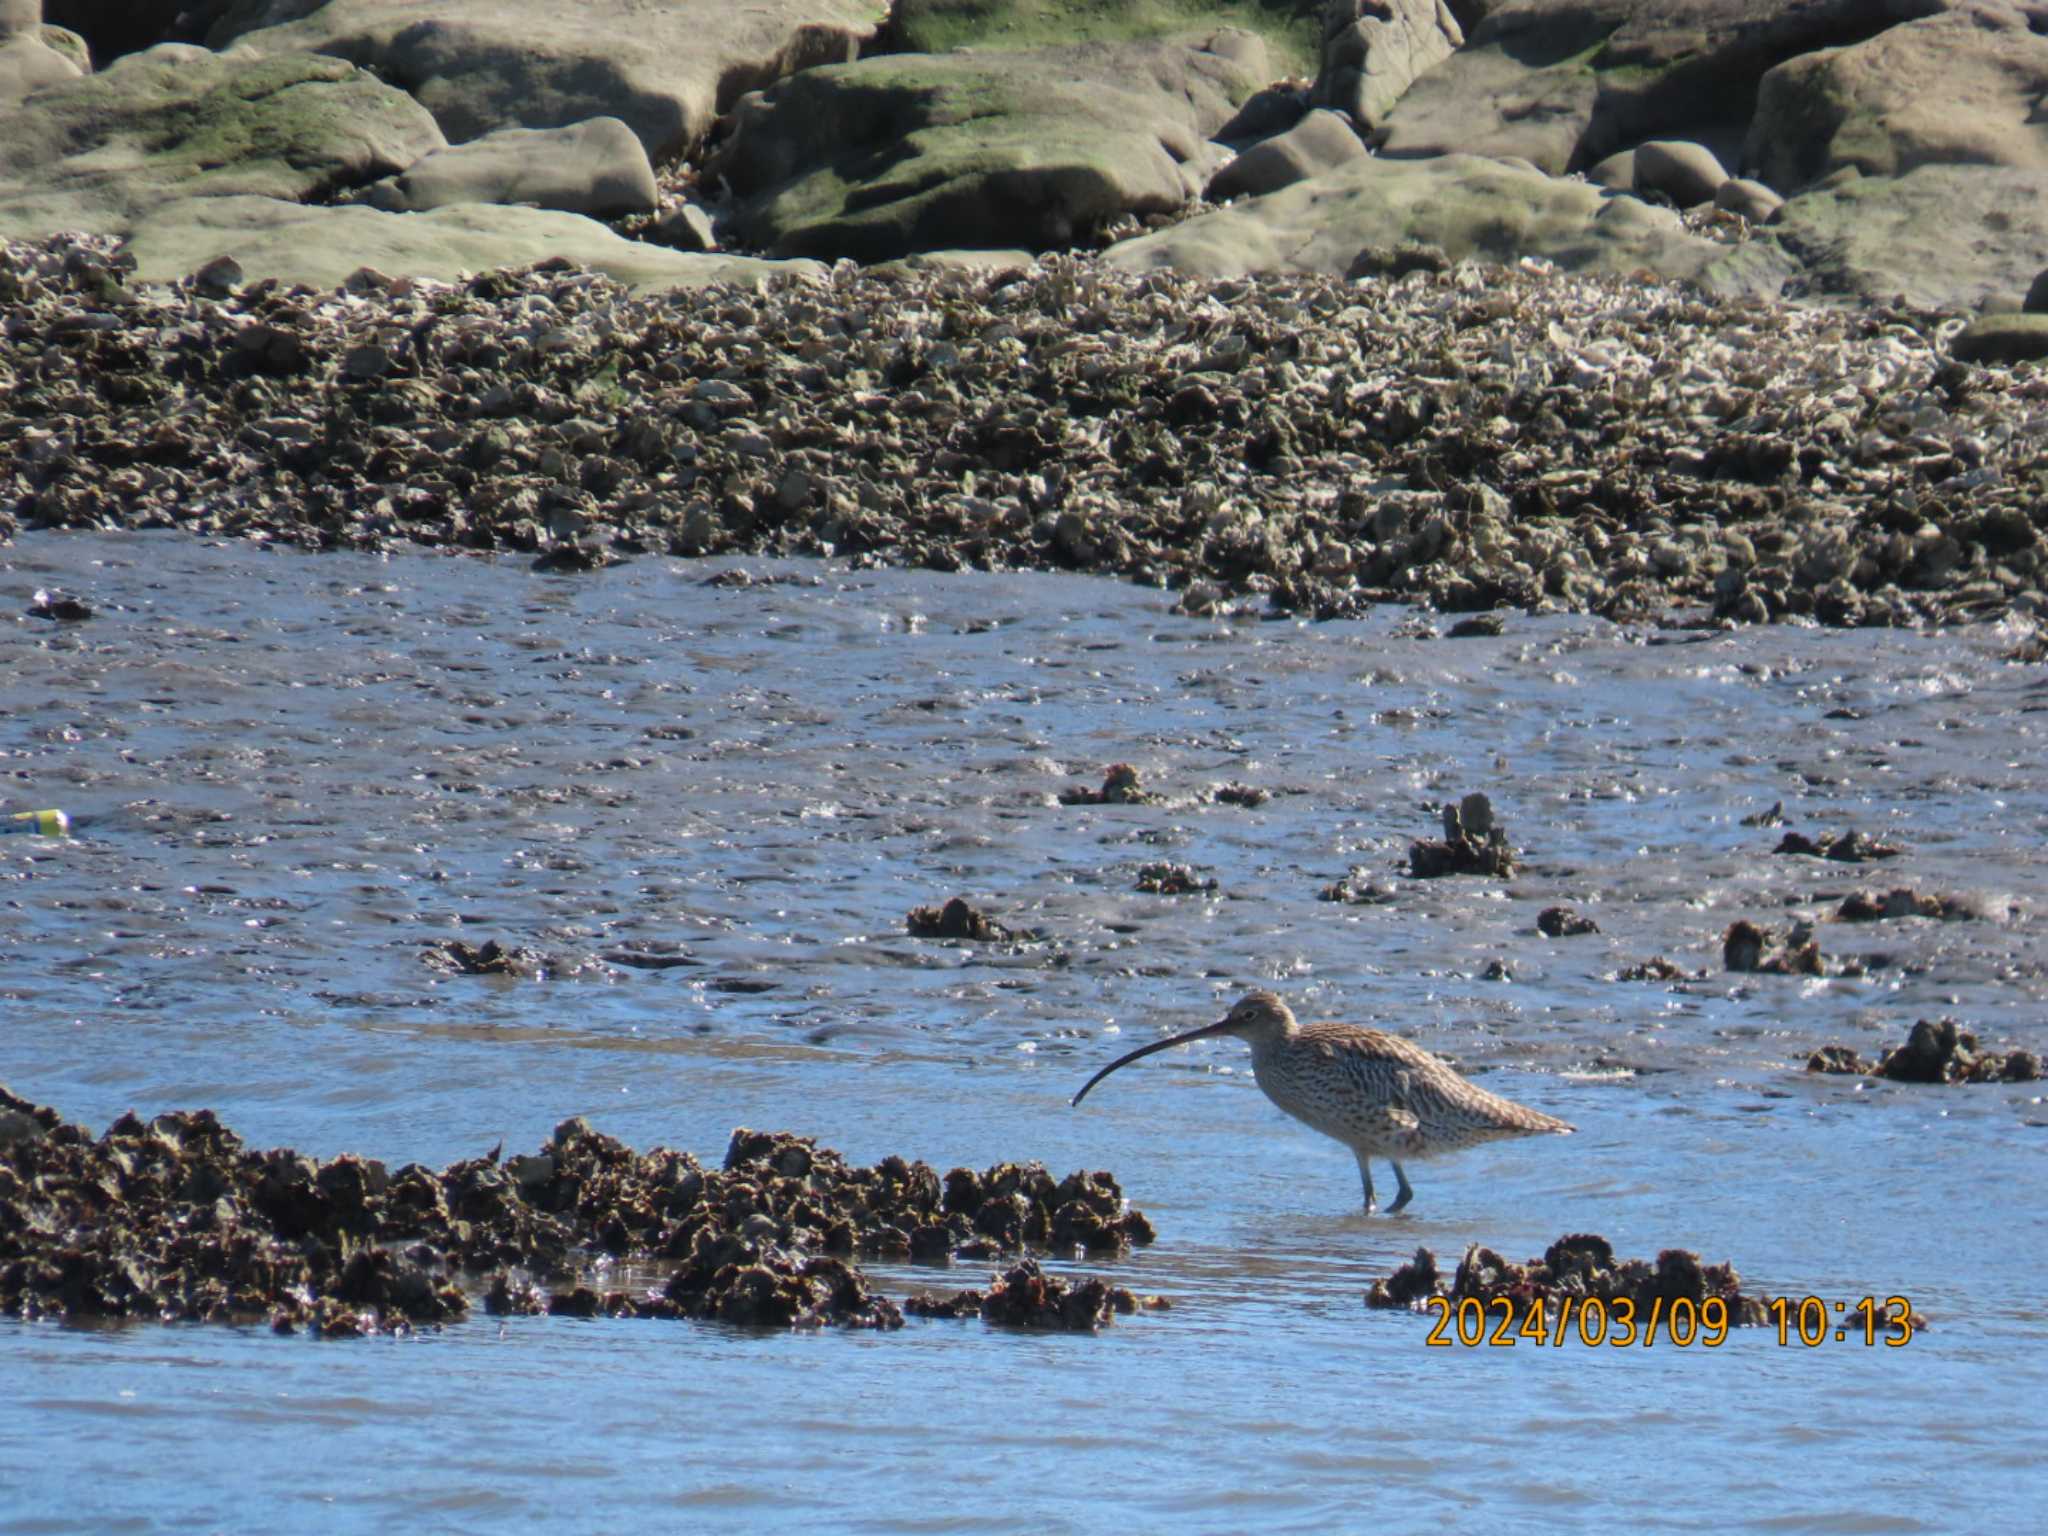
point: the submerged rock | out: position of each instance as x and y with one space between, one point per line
1120 786
458 957
1902 901
1358 889
1748 946
1656 968
957 919
1025 1296
1850 847
1564 923
1168 879
1241 794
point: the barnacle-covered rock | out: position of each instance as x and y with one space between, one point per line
1576 1268
1465 438
173 1218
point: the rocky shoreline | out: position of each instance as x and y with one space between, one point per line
1462 436
1302 304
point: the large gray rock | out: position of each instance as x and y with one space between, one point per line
1751 199
903 152
1617 173
97 152
1687 173
1565 83
1466 205
321 246
598 168
27 62
1964 88
1945 236
19 16
1373 50
667 69
1321 141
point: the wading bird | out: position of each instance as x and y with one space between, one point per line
1380 1095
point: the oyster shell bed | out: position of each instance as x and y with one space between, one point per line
175 1219
1466 438
1577 1267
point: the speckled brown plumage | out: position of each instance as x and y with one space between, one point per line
1380 1095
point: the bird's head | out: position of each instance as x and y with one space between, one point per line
1259 1018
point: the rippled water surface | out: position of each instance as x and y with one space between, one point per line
712 805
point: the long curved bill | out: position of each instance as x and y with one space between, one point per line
1204 1033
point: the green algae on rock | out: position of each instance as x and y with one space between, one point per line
177 122
908 152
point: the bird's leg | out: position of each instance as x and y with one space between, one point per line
1405 1195
1365 1178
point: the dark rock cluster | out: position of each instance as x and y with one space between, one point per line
1170 879
1577 1266
1472 844
1564 923
957 919
1748 946
1901 901
1025 1296
174 1219
459 957
1357 889
1656 968
1246 795
1850 847
1120 786
1935 1051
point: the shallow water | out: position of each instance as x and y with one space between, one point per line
296 773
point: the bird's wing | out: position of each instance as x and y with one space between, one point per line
1392 1124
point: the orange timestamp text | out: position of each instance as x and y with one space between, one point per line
1806 1321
